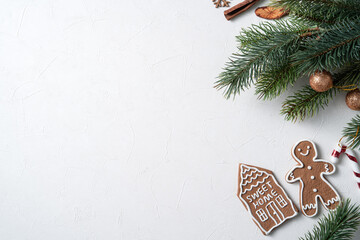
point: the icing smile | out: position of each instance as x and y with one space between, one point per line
305 154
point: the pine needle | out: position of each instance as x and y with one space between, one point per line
261 47
341 223
322 12
307 102
351 132
318 35
334 48
275 81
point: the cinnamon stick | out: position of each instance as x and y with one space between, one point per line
239 8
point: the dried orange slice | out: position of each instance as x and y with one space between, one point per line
270 12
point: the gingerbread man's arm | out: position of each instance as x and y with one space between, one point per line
294 175
327 167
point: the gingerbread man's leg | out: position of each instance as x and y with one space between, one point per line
308 203
329 197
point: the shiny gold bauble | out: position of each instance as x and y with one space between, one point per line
353 99
321 81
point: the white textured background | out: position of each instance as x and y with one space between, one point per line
110 127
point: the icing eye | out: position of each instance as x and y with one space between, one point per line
308 147
299 149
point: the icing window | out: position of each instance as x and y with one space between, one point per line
262 215
281 201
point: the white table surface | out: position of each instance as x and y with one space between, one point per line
111 128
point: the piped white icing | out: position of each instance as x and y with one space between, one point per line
309 206
301 165
332 201
327 168
259 182
305 154
292 176
252 178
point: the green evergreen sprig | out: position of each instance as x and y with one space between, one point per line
319 35
334 48
341 223
351 132
264 46
275 81
268 47
322 12
307 102
349 75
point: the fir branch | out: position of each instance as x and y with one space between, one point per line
307 102
275 81
351 132
349 75
341 223
333 49
262 46
312 19
320 11
265 31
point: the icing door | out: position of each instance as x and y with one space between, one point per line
275 213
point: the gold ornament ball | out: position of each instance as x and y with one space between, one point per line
353 99
321 81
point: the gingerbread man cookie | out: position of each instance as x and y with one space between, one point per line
313 185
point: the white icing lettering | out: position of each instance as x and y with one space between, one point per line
259 198
267 197
255 195
274 193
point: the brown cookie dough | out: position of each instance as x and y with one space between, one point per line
264 198
313 185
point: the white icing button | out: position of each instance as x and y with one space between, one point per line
312 177
315 190
309 167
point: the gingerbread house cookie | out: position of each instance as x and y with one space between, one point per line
263 197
